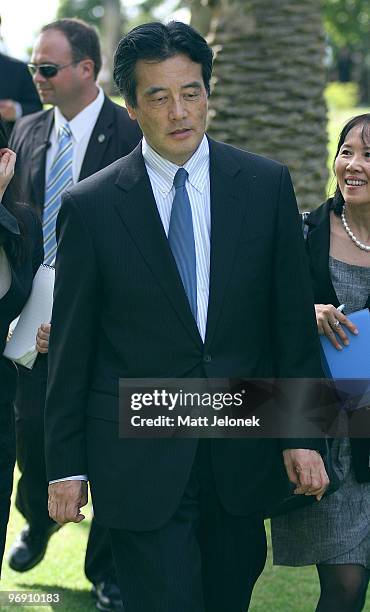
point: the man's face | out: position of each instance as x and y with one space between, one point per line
52 47
171 106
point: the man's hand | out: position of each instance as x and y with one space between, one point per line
65 500
8 110
42 338
306 469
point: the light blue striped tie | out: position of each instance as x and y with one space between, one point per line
181 238
60 176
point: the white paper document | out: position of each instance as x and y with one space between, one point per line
21 347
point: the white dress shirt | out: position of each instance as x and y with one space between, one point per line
81 126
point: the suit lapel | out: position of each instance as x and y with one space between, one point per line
318 248
40 145
318 240
227 212
99 140
138 210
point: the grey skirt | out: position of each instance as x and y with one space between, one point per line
335 530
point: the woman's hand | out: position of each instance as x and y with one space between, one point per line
330 323
7 163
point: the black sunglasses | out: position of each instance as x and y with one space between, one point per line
48 71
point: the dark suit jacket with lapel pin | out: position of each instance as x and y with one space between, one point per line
113 136
122 312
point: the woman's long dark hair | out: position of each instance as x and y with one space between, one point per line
364 120
12 200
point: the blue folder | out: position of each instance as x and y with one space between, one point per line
350 367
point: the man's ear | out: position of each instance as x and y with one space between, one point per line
87 68
131 112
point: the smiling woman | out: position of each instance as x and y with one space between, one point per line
335 534
352 167
351 218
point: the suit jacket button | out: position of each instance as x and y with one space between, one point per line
207 358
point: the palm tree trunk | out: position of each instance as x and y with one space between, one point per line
111 33
269 83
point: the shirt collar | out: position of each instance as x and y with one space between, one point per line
83 121
197 166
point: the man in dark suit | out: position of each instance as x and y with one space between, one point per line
65 61
185 516
18 95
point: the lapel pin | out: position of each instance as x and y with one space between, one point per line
101 138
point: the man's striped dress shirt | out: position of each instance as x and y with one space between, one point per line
161 174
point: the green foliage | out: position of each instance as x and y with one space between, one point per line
347 22
341 96
148 6
91 11
145 11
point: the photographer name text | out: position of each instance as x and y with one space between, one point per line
189 421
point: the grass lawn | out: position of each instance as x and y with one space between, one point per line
61 570
278 590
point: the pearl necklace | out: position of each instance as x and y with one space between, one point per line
357 242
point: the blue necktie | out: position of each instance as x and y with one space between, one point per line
181 239
60 176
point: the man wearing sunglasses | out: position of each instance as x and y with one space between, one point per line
48 71
83 133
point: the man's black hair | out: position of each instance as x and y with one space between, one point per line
156 42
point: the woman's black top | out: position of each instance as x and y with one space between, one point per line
22 272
